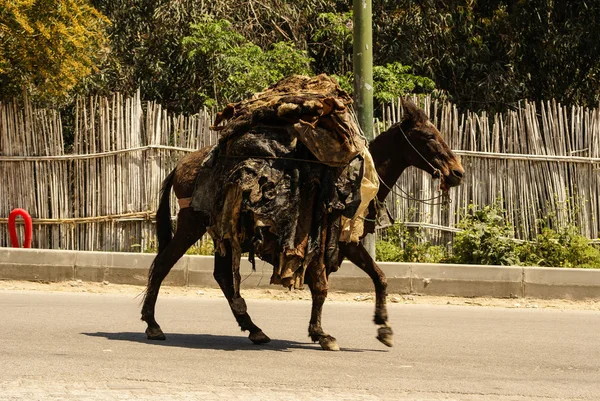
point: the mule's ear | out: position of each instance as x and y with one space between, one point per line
412 112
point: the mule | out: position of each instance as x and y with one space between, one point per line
415 141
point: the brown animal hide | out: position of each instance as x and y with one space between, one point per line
289 178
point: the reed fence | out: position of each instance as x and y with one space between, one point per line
539 160
103 194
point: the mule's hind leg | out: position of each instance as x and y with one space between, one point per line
358 255
318 289
190 228
223 274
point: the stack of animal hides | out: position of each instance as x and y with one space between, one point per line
290 177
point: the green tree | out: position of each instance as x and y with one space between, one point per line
390 82
239 67
48 46
146 53
147 49
556 50
331 43
490 54
332 51
482 54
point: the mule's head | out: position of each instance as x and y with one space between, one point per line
426 149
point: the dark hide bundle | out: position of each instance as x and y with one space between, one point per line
285 178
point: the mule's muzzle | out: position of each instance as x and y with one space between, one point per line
454 178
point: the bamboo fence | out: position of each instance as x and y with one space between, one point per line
539 163
102 195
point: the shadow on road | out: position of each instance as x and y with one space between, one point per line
213 342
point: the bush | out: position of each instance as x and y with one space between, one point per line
403 245
486 239
564 247
205 247
387 251
489 240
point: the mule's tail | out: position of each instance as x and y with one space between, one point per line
164 229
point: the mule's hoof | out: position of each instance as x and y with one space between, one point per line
385 334
329 343
259 337
155 333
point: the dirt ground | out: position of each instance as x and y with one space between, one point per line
277 293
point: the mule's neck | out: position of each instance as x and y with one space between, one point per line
389 160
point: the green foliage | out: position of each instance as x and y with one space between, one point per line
390 82
239 67
564 247
486 239
146 53
345 81
490 54
211 38
395 80
147 49
332 42
47 47
484 55
387 251
404 245
205 247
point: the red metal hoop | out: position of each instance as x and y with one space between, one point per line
12 228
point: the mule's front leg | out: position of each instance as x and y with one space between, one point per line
318 290
358 255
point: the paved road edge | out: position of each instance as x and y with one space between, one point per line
404 278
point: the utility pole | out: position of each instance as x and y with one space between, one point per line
363 78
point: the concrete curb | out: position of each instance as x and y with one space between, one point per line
404 278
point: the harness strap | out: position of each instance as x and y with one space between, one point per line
436 172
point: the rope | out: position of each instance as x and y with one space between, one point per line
148 216
436 172
91 155
404 195
284 158
535 158
468 153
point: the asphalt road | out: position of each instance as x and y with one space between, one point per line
68 346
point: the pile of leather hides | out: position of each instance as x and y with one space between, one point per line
290 177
